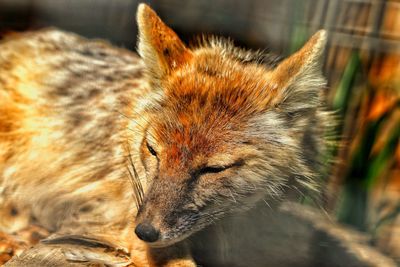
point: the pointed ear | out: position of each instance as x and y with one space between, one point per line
298 79
159 46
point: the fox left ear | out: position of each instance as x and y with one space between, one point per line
298 79
159 46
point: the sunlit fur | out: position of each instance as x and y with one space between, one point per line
77 118
62 135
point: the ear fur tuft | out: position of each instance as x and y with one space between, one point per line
298 79
159 46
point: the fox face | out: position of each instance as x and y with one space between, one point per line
225 132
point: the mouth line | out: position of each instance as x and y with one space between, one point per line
181 237
170 241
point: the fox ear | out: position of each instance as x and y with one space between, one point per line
298 79
159 46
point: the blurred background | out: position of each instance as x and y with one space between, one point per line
362 65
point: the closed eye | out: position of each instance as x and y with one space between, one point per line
151 150
218 169
212 169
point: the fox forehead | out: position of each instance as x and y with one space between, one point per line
211 79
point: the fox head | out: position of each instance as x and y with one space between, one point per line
226 129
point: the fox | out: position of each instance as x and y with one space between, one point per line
179 155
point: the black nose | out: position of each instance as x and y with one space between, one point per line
147 232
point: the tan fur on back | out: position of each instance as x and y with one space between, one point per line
63 127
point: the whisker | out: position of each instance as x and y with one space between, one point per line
137 185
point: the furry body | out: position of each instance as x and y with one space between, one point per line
206 132
54 87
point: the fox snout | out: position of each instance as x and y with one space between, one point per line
148 223
166 215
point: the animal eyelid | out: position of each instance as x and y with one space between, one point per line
151 150
212 169
217 169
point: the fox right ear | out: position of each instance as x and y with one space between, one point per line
298 79
159 46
